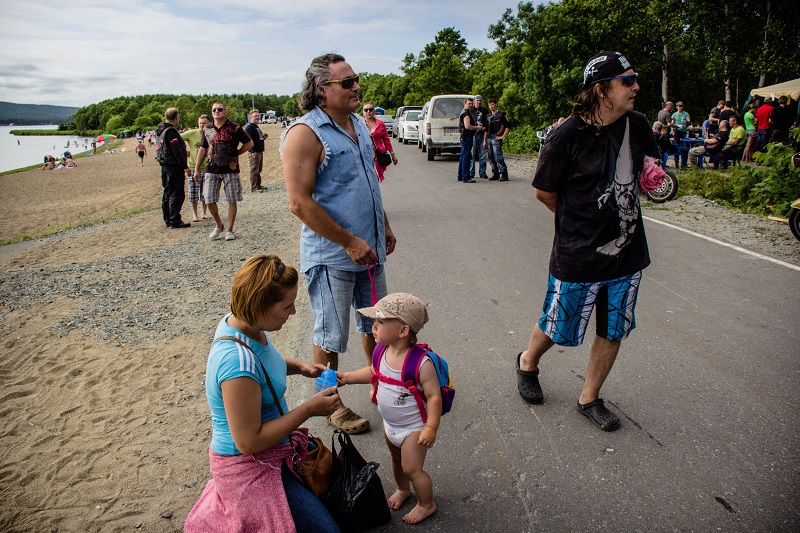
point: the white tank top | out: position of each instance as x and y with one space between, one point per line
396 404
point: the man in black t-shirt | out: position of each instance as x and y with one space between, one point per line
499 127
467 128
481 115
588 175
727 111
256 153
712 145
781 120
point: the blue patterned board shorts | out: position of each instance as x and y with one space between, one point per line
568 307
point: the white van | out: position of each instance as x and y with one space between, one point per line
440 124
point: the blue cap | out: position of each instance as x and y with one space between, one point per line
478 97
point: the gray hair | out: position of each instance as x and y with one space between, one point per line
171 113
317 73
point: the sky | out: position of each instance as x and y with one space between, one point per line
79 52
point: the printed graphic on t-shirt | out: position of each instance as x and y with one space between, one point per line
622 188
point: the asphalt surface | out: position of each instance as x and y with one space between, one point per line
706 386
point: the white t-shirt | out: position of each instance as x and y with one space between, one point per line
396 404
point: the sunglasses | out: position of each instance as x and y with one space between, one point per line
347 83
368 109
627 81
204 116
217 109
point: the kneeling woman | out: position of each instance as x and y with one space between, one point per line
253 487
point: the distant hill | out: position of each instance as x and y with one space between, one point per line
22 114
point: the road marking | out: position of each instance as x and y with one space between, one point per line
737 248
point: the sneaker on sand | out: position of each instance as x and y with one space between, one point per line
215 233
230 236
349 422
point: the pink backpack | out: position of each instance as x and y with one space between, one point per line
410 376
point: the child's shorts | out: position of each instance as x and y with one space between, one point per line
568 306
396 435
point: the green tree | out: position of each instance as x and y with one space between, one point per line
291 108
115 124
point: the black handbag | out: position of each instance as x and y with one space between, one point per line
384 158
356 499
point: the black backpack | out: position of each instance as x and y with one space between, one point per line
164 155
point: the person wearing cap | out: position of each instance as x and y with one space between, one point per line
478 146
333 189
588 175
680 122
398 318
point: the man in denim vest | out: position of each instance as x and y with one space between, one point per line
333 189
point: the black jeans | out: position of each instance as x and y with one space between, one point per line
172 179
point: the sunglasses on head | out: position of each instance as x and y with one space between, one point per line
217 109
627 81
368 109
204 116
346 83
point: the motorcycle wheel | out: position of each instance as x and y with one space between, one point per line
667 191
794 223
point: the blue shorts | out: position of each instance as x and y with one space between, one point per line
331 293
568 306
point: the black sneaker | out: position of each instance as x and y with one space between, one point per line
484 176
181 225
468 181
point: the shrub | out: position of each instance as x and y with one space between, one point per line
521 140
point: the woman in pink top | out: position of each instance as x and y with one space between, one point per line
379 135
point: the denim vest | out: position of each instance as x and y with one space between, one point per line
347 188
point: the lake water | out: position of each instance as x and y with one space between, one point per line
31 149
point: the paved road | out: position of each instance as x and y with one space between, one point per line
706 386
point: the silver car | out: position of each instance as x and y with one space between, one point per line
388 121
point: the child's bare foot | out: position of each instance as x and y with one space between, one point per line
397 499
419 513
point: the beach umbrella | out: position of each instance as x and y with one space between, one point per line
106 137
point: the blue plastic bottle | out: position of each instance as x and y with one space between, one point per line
326 380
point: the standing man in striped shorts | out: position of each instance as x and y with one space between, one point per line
588 175
223 142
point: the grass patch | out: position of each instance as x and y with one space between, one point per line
81 155
51 231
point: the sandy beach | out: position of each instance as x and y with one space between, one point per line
105 331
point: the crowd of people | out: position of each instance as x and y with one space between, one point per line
482 132
725 135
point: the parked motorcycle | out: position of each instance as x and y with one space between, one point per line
667 191
794 219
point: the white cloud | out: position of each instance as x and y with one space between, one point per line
88 50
